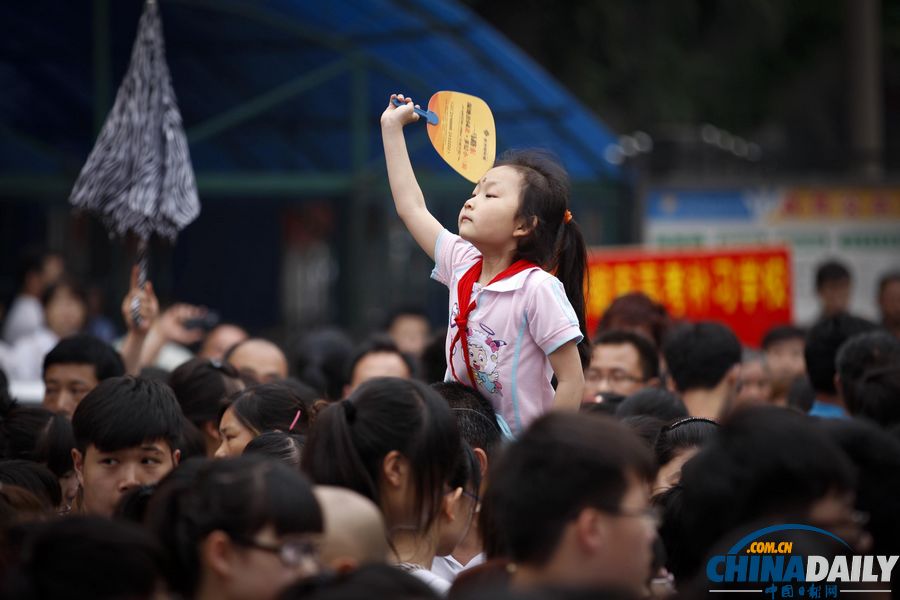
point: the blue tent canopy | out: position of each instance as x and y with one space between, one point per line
281 102
276 87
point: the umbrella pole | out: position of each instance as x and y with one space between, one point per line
141 262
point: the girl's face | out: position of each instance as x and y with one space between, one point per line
234 435
488 218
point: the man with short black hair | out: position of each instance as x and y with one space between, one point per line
377 357
863 353
823 341
622 362
127 432
704 362
475 417
571 496
74 367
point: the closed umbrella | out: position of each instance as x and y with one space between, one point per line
139 178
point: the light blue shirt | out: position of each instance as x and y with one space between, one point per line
824 410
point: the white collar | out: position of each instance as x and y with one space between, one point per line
511 284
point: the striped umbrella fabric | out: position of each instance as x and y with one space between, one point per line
139 177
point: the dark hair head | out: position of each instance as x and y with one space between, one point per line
274 406
376 344
563 463
671 531
286 447
555 243
239 496
201 386
351 438
860 353
823 340
647 353
20 428
699 355
85 349
86 557
876 455
782 333
764 462
35 478
124 412
636 310
36 434
647 427
831 271
656 402
54 446
321 360
682 434
475 416
887 279
876 396
368 581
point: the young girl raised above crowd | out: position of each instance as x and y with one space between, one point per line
515 274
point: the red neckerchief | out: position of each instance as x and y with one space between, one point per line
463 293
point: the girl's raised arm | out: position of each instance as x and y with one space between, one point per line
408 197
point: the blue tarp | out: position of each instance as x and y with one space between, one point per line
224 53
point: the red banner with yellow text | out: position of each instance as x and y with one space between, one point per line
748 289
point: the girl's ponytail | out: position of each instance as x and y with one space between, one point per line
556 242
571 270
331 456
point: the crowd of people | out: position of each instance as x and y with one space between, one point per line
348 471
505 457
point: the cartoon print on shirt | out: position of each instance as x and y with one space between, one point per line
484 356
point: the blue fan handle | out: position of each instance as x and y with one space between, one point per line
430 116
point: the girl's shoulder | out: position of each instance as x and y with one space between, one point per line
537 279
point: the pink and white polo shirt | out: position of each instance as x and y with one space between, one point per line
517 322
